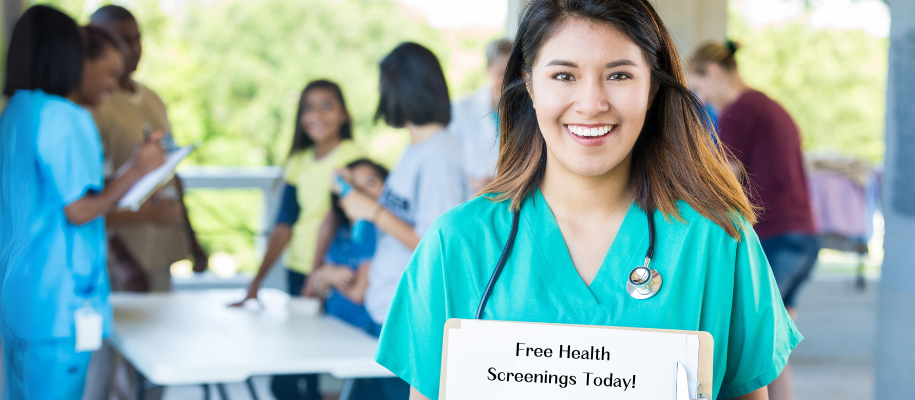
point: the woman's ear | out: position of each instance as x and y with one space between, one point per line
527 85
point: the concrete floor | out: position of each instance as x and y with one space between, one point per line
836 359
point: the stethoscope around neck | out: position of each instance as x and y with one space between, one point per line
643 282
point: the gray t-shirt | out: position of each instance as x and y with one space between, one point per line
427 181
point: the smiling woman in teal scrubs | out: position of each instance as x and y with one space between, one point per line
598 128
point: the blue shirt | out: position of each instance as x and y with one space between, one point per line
50 156
347 253
289 206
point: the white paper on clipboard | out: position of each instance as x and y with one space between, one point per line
152 181
508 360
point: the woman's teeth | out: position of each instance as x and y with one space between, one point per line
590 131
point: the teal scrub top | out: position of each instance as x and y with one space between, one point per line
50 157
712 283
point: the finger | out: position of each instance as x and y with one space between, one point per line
346 175
157 136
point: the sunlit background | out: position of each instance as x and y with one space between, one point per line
231 71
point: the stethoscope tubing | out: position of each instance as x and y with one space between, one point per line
509 244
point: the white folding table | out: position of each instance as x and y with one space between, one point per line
194 338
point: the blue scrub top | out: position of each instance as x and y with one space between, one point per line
50 156
712 283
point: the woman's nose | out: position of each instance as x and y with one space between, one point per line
592 99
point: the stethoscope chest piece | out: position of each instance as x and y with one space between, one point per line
643 282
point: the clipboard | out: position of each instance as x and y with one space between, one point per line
154 180
706 351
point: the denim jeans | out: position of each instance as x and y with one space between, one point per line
792 257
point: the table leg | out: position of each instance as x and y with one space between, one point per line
347 389
221 388
250 384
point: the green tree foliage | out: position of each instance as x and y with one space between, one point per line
833 82
240 66
231 71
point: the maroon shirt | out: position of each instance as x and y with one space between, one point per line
762 136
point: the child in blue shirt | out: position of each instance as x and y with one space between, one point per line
343 278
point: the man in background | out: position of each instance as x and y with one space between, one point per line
475 120
143 244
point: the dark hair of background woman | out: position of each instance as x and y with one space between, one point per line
340 216
300 139
413 88
45 53
110 14
675 157
97 40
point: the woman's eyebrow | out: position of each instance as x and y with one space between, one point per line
612 64
618 63
563 63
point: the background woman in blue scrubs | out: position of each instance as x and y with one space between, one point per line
52 234
598 131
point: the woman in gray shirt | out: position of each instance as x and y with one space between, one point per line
427 181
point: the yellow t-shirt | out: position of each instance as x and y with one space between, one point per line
313 181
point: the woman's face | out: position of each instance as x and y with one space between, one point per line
100 77
591 88
711 86
366 180
323 115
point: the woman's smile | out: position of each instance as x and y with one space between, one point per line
590 135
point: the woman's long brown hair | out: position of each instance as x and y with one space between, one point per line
675 157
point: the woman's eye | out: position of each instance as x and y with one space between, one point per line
562 76
617 77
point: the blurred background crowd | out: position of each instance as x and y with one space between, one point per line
231 80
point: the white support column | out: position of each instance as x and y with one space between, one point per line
692 22
513 17
895 344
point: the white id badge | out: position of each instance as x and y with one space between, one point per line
88 329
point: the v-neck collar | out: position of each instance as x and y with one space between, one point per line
627 250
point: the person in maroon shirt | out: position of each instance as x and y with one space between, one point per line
766 148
